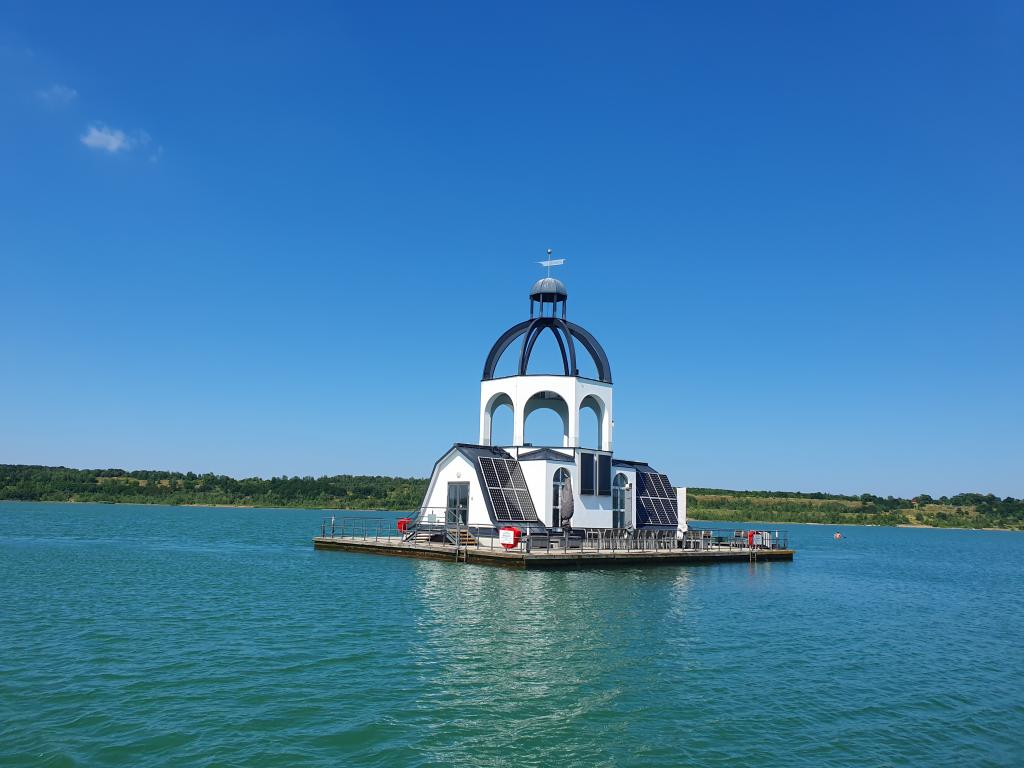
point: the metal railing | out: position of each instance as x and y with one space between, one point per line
735 538
442 528
447 528
361 528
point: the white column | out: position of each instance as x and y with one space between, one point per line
683 527
518 421
606 429
485 424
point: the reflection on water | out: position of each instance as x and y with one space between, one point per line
514 657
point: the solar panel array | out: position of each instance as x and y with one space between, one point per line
510 498
656 500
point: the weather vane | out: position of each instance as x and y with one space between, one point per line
549 263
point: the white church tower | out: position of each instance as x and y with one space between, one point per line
567 394
539 489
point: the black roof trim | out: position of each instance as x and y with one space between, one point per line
641 466
484 449
470 451
546 454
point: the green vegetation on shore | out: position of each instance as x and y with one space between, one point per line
965 510
34 483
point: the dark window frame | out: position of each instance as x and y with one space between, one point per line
587 479
604 474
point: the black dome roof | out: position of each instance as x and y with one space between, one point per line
548 289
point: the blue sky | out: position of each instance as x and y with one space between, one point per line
280 240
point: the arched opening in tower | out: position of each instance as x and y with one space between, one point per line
500 418
546 420
591 418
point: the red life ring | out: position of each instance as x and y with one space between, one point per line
509 537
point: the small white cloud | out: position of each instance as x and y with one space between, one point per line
108 139
113 140
57 95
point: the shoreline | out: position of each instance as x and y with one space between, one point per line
204 506
405 511
863 525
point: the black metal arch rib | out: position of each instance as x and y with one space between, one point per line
559 327
561 348
593 346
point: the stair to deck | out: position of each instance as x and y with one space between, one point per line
462 538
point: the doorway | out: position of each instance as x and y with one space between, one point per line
458 504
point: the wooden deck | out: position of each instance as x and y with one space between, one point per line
540 559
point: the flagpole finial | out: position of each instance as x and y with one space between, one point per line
549 262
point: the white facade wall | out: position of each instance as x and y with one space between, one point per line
456 468
589 512
538 480
592 511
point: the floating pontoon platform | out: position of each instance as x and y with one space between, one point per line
559 552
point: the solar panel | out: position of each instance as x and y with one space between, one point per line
490 474
656 500
509 494
504 476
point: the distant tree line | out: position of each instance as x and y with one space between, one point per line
36 483
964 510
24 482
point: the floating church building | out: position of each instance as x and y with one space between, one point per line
548 489
568 505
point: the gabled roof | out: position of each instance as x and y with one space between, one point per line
472 453
639 466
546 454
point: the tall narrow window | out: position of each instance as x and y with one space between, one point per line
620 513
557 488
587 474
604 474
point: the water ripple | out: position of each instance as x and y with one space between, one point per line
137 636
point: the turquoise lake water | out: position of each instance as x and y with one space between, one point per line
152 636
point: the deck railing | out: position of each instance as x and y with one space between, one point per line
443 529
362 528
736 538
